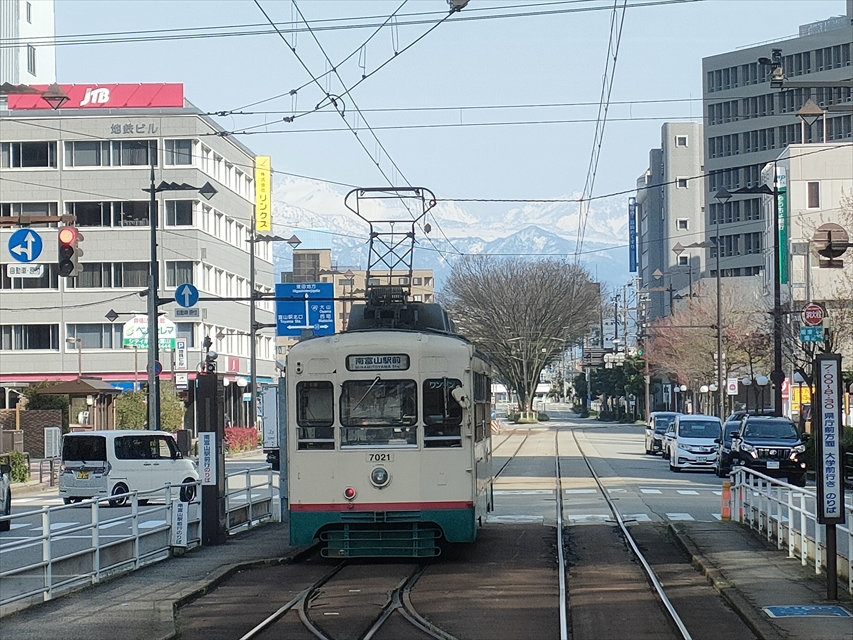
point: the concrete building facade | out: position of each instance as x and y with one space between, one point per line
670 212
89 165
26 26
748 123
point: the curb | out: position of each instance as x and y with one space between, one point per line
746 611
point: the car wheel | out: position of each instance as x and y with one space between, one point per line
5 525
119 489
672 467
188 490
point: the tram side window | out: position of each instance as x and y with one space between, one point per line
442 414
482 406
379 412
315 403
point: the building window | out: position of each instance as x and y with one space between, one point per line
813 195
179 213
134 153
25 337
417 281
180 272
683 261
680 141
403 280
31 59
110 214
19 209
186 330
87 153
179 152
97 336
29 13
27 155
130 274
681 183
48 280
681 224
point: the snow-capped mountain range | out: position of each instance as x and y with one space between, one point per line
316 214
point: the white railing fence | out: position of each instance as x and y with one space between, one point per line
787 516
62 552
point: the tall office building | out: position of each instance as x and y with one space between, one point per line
748 123
27 54
669 211
89 164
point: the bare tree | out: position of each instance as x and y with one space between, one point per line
523 314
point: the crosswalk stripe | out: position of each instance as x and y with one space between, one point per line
688 492
680 516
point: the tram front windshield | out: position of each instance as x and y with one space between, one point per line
379 412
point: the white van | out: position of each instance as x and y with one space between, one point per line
111 463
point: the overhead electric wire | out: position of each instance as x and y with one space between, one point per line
191 33
598 139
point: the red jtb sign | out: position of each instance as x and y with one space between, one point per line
106 96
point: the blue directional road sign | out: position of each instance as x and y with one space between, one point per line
310 305
186 295
25 245
811 334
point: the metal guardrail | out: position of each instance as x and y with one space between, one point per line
251 498
787 515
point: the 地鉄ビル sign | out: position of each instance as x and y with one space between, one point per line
305 305
135 333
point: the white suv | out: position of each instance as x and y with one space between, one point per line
690 442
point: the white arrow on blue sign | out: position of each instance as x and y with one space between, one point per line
186 295
25 245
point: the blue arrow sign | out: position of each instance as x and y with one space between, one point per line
303 311
186 295
25 245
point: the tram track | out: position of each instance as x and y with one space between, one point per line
353 600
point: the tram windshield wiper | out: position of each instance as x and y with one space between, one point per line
372 384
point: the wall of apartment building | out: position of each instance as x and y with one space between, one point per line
748 123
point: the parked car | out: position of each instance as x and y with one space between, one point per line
691 445
5 495
114 463
771 445
658 422
723 465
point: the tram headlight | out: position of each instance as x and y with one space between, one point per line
349 493
380 477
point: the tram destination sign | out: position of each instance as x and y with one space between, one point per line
383 362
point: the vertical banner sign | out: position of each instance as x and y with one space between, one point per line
179 523
180 354
207 457
632 235
782 214
263 190
830 471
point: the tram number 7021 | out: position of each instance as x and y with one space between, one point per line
380 457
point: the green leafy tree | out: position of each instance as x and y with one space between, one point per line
132 409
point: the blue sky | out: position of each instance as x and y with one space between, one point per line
557 58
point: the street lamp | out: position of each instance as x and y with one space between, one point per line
254 326
208 191
761 381
79 343
777 376
746 381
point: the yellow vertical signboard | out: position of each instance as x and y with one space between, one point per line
263 188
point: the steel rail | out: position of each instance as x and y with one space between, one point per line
653 579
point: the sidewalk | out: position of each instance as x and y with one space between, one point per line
750 574
141 605
747 572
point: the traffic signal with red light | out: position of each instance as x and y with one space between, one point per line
69 251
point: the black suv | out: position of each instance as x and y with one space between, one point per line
772 446
724 443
